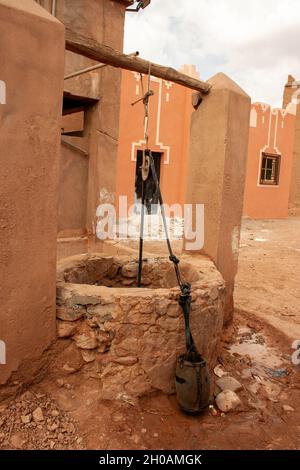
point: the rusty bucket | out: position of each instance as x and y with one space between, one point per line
192 383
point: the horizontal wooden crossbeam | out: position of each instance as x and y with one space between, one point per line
107 55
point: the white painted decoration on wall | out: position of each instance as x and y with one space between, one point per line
2 92
2 353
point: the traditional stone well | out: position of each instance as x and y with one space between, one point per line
130 335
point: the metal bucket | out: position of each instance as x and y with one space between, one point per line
192 383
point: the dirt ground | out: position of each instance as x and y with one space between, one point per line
268 279
256 350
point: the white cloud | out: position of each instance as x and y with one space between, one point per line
256 43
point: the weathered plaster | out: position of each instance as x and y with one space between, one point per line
29 155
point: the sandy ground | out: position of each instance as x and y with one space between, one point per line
74 417
256 350
268 281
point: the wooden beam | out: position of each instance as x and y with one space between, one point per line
126 2
107 55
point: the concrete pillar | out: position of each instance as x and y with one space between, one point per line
31 73
216 173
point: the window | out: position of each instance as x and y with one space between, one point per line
270 166
74 114
73 124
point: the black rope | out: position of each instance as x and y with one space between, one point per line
192 352
140 267
185 297
183 286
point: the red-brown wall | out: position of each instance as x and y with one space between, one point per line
272 132
169 127
84 179
32 66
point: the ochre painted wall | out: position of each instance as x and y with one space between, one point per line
294 202
272 132
291 95
169 128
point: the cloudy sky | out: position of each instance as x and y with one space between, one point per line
257 43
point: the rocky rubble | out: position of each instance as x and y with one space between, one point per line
261 373
225 390
227 401
229 383
34 421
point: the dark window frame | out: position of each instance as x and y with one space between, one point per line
269 169
75 104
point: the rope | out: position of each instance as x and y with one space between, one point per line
141 243
185 288
145 172
146 104
185 298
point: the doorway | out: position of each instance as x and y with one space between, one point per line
151 193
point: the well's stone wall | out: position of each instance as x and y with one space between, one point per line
130 337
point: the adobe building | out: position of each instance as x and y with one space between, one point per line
39 172
291 96
189 169
90 124
31 88
271 180
270 160
169 132
60 134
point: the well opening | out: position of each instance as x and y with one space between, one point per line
130 337
157 273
